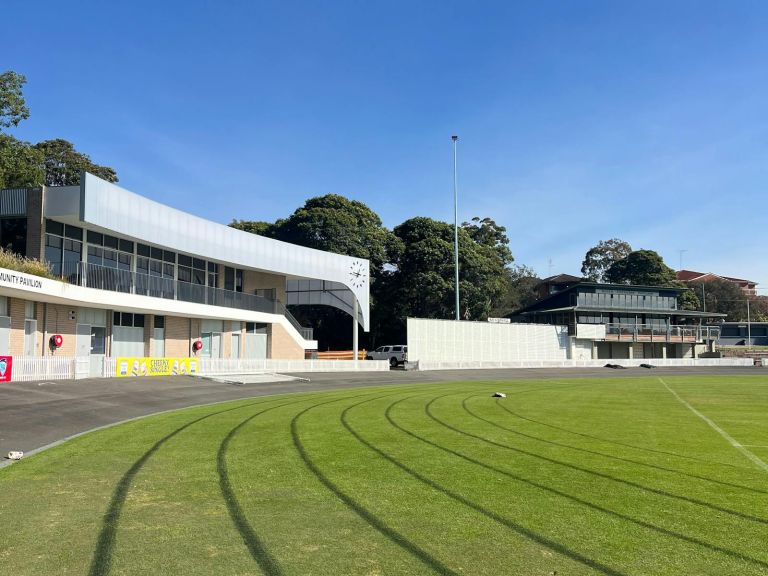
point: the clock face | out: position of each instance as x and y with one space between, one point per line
357 275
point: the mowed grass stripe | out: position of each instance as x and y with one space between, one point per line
538 538
591 505
102 557
416 551
200 483
501 405
429 412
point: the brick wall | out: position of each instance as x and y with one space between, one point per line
57 322
282 346
177 342
16 308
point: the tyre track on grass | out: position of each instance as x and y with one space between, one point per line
515 527
101 561
255 545
390 533
624 445
576 499
602 454
595 473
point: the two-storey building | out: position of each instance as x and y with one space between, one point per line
622 321
134 277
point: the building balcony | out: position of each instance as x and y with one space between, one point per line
650 333
129 282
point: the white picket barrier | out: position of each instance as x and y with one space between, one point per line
215 366
29 368
660 362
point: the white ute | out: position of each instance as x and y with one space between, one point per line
394 354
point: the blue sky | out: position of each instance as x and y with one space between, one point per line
578 121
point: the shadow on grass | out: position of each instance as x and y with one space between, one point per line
375 522
522 530
102 556
590 472
595 507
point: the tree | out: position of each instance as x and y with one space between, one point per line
519 290
488 233
423 280
21 165
254 227
336 224
13 108
600 258
647 268
723 297
63 164
643 268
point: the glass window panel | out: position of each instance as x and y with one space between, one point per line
54 227
185 260
142 250
185 274
169 256
73 232
138 320
168 270
116 318
159 321
126 246
157 253
127 319
198 264
199 276
95 238
155 268
110 258
142 265
110 242
124 261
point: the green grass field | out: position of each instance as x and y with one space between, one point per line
609 476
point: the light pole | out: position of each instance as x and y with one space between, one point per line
456 221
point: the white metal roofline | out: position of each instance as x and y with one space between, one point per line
113 208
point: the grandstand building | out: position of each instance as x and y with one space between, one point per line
136 278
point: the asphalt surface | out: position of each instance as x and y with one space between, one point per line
34 415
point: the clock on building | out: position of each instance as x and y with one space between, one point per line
357 274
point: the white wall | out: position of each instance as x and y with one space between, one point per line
452 341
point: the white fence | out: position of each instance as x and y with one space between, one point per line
212 366
666 362
27 369
437 341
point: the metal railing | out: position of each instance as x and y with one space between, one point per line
116 280
652 333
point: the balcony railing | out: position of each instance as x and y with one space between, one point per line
115 280
651 333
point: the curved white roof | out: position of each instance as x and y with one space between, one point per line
113 208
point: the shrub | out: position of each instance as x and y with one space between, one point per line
13 261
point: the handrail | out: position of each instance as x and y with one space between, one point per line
653 332
129 282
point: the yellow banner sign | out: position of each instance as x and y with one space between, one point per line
132 367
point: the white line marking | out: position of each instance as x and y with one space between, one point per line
755 460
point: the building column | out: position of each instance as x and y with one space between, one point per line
594 350
664 350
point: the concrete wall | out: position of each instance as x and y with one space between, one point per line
452 341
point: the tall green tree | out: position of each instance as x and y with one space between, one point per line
723 297
13 107
63 164
519 290
424 273
485 231
647 268
21 165
600 258
336 224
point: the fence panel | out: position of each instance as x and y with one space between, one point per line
29 368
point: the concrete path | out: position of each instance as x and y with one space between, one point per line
36 414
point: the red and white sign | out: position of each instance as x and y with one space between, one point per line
6 368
